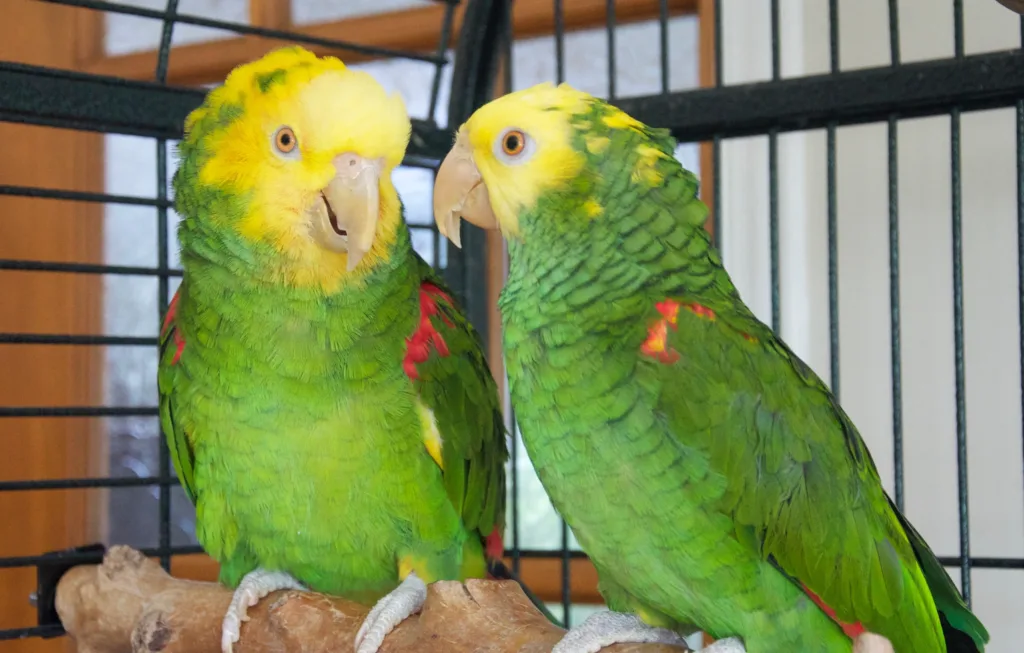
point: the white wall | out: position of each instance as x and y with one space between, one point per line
993 392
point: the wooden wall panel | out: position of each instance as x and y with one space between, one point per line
34 522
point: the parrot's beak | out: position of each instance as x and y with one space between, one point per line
460 192
346 219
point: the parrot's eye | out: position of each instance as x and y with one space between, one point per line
285 141
513 146
514 142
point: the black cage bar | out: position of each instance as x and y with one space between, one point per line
886 95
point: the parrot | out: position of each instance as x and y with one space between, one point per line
710 475
326 403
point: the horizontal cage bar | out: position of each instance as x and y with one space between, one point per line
59 339
85 483
78 411
982 81
32 631
80 196
95 558
87 268
47 96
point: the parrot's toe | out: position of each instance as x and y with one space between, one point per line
871 643
729 645
605 628
407 599
254 586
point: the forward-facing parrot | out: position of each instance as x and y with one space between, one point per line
327 405
711 476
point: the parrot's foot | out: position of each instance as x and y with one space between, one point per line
605 628
254 586
730 645
871 643
393 609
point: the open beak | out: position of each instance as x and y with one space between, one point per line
460 192
345 220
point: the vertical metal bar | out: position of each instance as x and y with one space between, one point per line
507 400
716 194
776 55
163 280
833 35
958 344
776 312
442 47
1020 229
773 227
559 42
716 147
958 28
610 29
896 356
1020 232
566 579
894 32
958 320
833 260
663 37
833 227
560 77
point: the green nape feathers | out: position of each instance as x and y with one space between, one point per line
327 404
712 477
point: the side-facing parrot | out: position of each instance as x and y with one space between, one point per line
327 405
711 476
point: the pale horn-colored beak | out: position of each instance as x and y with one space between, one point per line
460 192
346 220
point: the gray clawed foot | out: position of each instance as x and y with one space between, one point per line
605 628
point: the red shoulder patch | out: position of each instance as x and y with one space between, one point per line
656 345
172 312
851 630
701 310
179 340
495 544
417 346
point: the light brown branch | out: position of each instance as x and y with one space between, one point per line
130 605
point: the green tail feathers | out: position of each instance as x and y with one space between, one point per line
963 631
499 571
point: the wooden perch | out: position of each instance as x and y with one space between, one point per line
129 604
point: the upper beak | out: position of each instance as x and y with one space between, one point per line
347 217
460 192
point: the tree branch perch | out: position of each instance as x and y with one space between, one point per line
129 604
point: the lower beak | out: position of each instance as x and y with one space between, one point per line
460 192
346 219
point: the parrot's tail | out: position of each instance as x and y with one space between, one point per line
963 631
498 571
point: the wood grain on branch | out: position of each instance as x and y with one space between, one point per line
129 604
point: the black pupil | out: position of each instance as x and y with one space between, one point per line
286 139
512 142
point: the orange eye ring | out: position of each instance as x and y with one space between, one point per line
513 142
285 140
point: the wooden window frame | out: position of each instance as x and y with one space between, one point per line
409 30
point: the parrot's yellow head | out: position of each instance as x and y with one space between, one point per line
544 141
302 148
509 152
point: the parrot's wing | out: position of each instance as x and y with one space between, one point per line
171 345
801 485
447 364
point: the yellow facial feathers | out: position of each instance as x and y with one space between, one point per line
543 112
329 110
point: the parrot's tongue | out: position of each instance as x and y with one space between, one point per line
332 217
